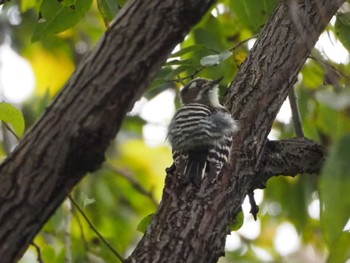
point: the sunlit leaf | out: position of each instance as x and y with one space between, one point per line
225 55
68 3
134 125
340 251
176 72
180 62
87 200
28 4
338 101
108 9
49 253
213 60
342 28
334 190
210 60
188 49
51 69
12 116
145 222
238 222
59 16
253 14
313 75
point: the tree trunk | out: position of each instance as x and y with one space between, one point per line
191 224
72 136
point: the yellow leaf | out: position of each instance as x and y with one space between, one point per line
52 69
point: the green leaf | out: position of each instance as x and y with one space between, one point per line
225 55
13 116
173 74
108 9
342 29
87 200
213 60
334 188
253 14
134 125
28 4
180 62
145 222
188 49
59 16
337 101
340 251
313 75
68 3
210 60
238 221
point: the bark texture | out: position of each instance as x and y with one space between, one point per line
191 224
72 136
288 157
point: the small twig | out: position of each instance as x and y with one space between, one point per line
68 239
82 233
11 131
254 208
5 128
191 76
325 63
242 42
197 71
93 228
38 251
132 180
298 127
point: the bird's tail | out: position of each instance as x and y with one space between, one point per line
196 165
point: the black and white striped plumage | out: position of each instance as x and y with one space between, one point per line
200 133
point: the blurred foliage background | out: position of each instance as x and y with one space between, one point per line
301 219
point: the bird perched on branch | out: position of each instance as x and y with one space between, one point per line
201 132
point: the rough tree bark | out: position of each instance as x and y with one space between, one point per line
191 224
71 137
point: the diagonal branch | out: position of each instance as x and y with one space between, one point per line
72 136
134 183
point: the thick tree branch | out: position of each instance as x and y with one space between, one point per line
289 157
191 224
72 136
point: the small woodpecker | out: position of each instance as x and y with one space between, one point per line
201 132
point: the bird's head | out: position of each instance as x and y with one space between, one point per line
203 91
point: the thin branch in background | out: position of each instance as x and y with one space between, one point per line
38 252
67 225
133 181
242 42
8 143
94 229
11 131
86 245
191 76
197 71
298 127
324 63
